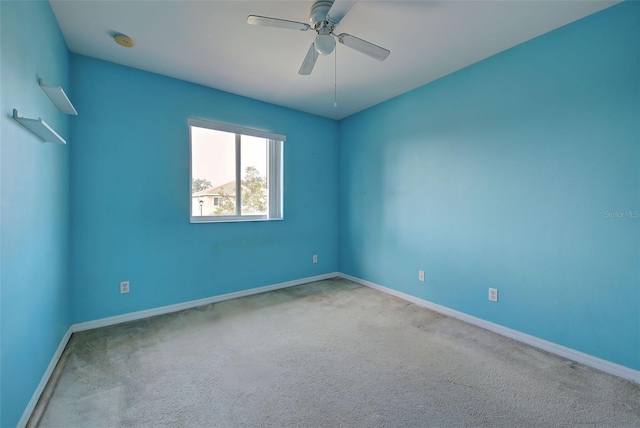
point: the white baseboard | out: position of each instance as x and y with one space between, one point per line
43 382
571 354
194 303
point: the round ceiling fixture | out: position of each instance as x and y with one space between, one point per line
123 40
325 44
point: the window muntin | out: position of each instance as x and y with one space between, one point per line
236 173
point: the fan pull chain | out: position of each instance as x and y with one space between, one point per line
335 78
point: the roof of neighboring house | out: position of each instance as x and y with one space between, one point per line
228 188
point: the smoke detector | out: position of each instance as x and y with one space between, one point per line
123 40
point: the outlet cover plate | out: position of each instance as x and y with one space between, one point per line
124 287
421 275
493 294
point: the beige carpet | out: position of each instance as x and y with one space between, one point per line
325 354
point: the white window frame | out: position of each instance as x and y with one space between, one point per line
275 172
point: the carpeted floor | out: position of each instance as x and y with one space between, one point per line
325 354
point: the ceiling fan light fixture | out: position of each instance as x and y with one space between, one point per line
324 44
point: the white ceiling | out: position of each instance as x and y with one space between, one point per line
210 43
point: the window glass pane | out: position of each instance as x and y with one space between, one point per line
253 159
213 174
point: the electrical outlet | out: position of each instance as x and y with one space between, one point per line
124 287
315 258
493 294
421 275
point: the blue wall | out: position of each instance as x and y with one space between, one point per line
500 175
130 195
35 204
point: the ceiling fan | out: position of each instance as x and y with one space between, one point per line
325 16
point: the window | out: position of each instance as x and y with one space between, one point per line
236 173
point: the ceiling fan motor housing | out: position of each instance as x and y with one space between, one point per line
319 11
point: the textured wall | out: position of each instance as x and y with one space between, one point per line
131 195
502 175
34 200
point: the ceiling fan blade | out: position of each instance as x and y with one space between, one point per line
265 21
309 61
338 10
374 51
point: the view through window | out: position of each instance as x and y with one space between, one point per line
236 173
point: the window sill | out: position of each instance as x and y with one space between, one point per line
230 219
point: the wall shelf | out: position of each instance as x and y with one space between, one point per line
59 98
40 128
